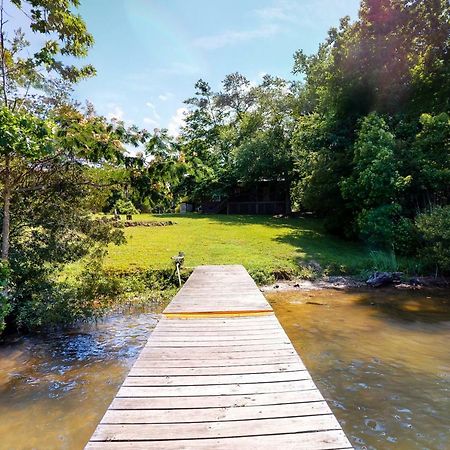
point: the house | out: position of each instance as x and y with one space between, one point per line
261 197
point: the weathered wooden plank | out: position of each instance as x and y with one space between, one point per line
219 331
215 370
141 362
224 293
260 330
253 321
135 380
215 414
232 389
216 340
180 354
318 440
151 432
219 346
217 401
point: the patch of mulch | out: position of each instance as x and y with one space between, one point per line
143 223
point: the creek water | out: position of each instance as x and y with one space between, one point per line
54 389
381 359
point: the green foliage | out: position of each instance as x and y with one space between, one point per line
265 156
23 135
382 261
407 238
53 238
123 206
434 227
376 225
49 223
43 302
262 277
432 145
61 34
240 134
375 180
321 159
372 144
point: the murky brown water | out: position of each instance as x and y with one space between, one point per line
381 358
55 389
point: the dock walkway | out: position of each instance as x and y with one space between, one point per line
219 372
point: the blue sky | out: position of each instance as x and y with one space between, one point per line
150 53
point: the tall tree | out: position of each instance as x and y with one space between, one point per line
33 80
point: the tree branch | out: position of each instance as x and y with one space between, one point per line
3 55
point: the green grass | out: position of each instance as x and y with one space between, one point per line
260 243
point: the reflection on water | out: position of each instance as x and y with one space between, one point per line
381 359
54 389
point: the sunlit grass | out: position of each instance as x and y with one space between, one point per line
257 242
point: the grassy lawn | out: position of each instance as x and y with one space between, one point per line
258 242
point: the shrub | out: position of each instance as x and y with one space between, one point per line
434 228
377 225
123 206
261 276
407 239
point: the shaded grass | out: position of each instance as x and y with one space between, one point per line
262 244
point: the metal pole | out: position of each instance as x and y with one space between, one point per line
178 272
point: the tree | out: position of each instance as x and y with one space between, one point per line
375 180
27 74
370 143
265 155
156 173
432 149
25 144
375 185
22 136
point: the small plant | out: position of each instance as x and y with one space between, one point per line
382 261
262 277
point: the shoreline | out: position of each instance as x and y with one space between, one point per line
348 283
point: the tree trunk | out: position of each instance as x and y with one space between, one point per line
6 209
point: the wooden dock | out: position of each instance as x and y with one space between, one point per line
219 372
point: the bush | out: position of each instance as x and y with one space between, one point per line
123 206
377 225
43 301
407 239
434 228
261 276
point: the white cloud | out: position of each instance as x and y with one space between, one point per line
164 97
281 11
287 13
178 68
116 112
232 37
139 80
151 122
153 110
177 121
